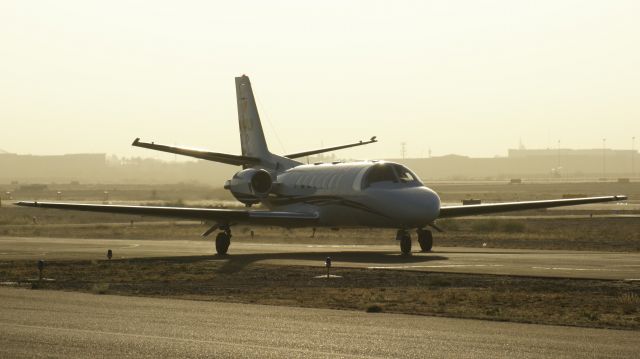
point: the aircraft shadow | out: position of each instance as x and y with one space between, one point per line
236 262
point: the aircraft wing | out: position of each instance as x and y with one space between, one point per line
276 218
329 149
205 155
476 209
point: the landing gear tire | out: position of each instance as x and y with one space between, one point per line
223 240
405 242
425 239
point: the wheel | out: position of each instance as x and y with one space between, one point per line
405 244
223 240
425 239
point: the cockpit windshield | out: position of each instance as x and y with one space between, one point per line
404 175
388 172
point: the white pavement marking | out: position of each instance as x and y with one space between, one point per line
336 246
577 269
437 266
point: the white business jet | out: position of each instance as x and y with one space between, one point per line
335 195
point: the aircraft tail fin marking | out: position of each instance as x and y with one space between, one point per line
251 134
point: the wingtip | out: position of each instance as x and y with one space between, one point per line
620 197
26 204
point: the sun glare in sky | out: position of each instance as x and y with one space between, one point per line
465 77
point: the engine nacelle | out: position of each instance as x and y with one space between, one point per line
250 185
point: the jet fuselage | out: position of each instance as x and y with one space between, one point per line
356 194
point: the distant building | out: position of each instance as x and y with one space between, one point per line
98 168
51 168
565 152
534 163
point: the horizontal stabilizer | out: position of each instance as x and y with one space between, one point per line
329 149
204 155
472 210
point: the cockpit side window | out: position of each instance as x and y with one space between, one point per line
404 175
379 173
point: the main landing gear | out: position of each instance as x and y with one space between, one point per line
223 240
425 240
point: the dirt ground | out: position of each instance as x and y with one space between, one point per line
587 303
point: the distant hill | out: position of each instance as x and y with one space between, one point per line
100 168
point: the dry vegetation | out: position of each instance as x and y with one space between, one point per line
589 303
189 192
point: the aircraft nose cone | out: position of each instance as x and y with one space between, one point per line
430 204
417 207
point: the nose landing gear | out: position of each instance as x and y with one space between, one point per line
425 239
223 240
405 241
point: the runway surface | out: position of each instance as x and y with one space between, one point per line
571 264
59 324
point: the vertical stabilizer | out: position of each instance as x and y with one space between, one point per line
251 134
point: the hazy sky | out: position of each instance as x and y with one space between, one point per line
466 77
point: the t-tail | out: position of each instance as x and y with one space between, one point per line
251 134
255 153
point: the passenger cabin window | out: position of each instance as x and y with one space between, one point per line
379 173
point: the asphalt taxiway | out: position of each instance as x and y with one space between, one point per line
76 325
546 263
